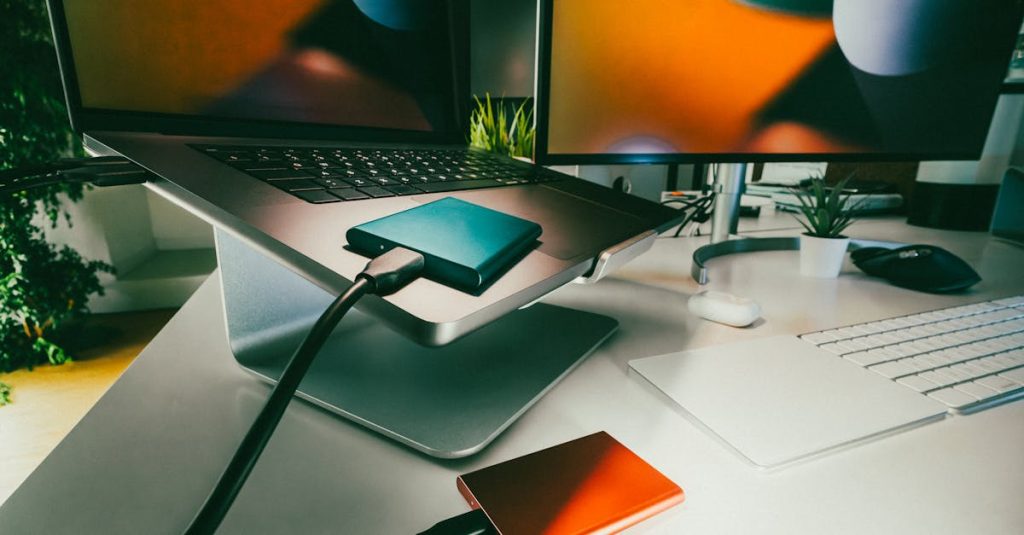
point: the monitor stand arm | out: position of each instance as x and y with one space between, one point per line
448 401
728 188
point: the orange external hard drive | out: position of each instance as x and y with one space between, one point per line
592 484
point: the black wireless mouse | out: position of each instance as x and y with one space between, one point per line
926 268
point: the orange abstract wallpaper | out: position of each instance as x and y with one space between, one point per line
774 76
173 56
337 62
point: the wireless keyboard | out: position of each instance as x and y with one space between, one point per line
329 174
968 357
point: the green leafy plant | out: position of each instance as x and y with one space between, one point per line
826 210
41 286
491 128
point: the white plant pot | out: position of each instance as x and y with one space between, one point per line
822 257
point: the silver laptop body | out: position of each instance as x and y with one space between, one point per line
586 228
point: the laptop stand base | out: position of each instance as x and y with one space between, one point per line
448 401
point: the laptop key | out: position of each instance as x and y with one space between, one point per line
279 174
863 358
349 194
298 185
402 189
977 390
999 383
376 191
434 187
359 182
318 196
332 183
1016 375
259 165
892 370
917 383
952 397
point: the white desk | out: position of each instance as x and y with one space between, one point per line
144 458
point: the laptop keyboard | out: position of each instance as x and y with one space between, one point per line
966 357
331 174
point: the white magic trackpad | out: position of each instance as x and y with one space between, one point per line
777 400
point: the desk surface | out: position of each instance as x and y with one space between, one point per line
147 454
49 400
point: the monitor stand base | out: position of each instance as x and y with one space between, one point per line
448 401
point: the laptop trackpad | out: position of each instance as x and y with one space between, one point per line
780 399
571 226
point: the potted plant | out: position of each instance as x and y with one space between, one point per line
491 128
826 213
42 287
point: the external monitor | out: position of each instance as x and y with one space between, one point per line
651 81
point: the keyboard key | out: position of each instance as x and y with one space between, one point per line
952 397
847 332
258 165
359 182
942 377
1017 356
1014 375
884 354
279 174
970 369
402 189
835 348
316 196
874 341
917 383
930 344
902 350
332 183
902 335
818 338
863 358
894 369
918 364
981 392
872 328
297 185
932 360
349 194
999 383
376 192
957 374
852 345
834 333
433 187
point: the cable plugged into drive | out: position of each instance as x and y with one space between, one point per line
383 275
405 252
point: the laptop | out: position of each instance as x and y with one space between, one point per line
287 123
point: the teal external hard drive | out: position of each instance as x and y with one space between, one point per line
464 245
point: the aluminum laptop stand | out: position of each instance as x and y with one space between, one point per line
448 401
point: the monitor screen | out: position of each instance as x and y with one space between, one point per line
769 80
363 63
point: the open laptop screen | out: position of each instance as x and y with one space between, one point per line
359 63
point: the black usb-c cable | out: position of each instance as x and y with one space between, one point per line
99 171
384 275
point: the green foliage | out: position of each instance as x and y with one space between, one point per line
41 286
826 211
5 394
491 129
